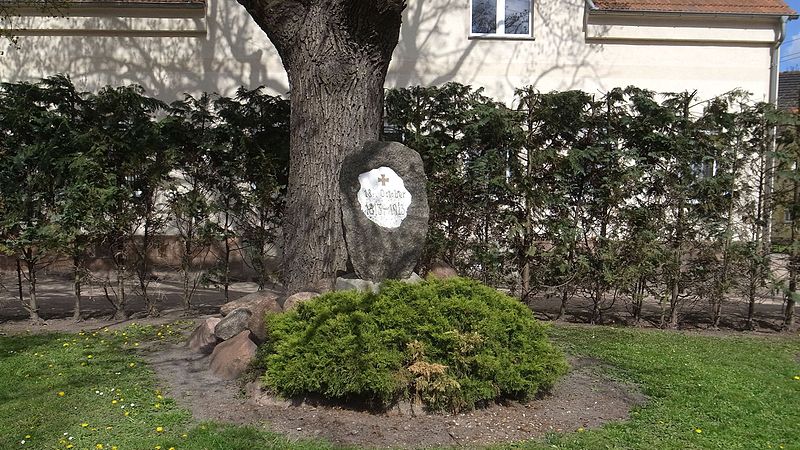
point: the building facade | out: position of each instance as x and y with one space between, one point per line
173 47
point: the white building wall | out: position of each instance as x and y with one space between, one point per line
225 49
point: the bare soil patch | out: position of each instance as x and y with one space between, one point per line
585 398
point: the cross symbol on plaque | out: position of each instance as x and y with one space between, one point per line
383 180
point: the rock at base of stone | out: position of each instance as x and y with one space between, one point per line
379 251
232 357
203 340
249 301
259 311
293 300
233 324
349 284
441 270
413 279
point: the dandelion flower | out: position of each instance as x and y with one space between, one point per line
698 430
61 393
84 425
99 446
132 365
159 429
113 402
797 377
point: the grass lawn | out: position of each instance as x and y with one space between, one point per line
92 391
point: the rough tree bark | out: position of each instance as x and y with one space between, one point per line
336 54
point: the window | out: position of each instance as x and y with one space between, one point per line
787 215
501 18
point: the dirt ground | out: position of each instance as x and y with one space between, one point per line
585 398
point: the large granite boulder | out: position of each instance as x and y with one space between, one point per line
233 324
384 210
252 301
230 358
203 340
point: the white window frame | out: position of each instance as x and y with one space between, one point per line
500 31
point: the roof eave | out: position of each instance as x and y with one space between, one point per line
594 9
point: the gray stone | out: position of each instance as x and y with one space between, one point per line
413 279
203 340
293 300
384 210
230 358
357 284
233 324
249 301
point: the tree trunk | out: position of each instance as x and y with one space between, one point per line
77 281
336 53
675 288
33 301
19 282
119 313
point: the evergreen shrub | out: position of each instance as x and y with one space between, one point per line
449 344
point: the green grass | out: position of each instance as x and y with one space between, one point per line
92 391
704 391
738 392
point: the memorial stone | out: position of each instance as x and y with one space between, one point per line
384 210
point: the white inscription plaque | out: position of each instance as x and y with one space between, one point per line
383 197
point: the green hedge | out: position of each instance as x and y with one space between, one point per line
452 344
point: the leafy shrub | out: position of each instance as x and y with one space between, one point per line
449 344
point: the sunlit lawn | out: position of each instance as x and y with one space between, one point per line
92 391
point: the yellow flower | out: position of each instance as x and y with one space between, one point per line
84 425
61 393
581 430
132 365
70 446
113 402
157 447
89 357
797 377
113 447
127 414
184 435
698 430
99 446
159 396
27 436
159 429
172 448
